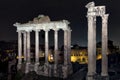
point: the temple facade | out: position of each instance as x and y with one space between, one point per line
43 23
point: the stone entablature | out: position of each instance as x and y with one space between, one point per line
95 10
41 25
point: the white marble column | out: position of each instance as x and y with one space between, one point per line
46 46
104 45
36 50
19 49
65 47
28 52
91 58
25 42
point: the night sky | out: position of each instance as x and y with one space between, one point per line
12 11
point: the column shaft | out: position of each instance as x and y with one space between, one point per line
104 46
28 47
46 46
25 42
37 46
90 47
65 47
19 47
69 46
56 46
94 42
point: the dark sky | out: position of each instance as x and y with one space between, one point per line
12 11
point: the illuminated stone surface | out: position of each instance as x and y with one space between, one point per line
93 12
43 23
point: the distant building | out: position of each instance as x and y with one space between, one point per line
79 54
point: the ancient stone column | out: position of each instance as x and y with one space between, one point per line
19 49
56 46
25 42
46 65
56 51
91 58
36 50
28 52
104 45
94 42
65 47
46 46
69 46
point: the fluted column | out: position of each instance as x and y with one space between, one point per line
46 46
104 45
65 47
19 49
25 42
90 48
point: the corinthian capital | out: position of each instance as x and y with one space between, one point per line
105 17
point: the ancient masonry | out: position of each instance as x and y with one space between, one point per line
93 12
43 23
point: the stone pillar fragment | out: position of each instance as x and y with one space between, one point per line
104 45
19 49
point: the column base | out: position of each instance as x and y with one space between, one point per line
19 66
55 70
67 70
27 68
91 76
36 66
46 69
105 77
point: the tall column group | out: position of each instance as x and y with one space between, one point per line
27 52
92 46
93 12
